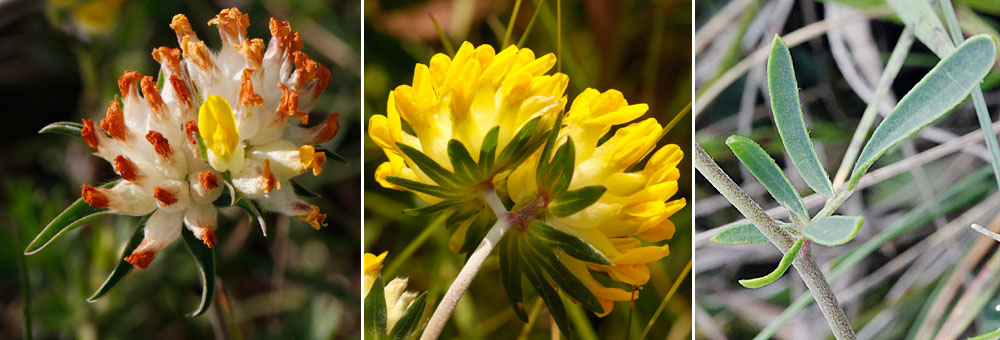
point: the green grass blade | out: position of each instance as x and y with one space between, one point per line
786 261
531 23
510 25
75 215
833 230
205 258
784 93
944 87
448 47
743 233
767 172
123 268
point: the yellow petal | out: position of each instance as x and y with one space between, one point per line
642 255
217 125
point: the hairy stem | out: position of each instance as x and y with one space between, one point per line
471 268
807 268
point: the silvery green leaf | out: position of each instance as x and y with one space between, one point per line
767 172
784 93
833 230
786 261
743 233
944 87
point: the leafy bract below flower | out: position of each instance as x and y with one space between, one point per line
152 138
462 110
636 205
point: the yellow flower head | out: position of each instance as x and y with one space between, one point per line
463 99
636 206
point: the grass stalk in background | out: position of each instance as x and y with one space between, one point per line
663 304
983 116
510 25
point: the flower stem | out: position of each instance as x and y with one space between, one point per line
810 273
471 268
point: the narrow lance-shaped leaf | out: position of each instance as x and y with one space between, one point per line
833 230
575 200
410 184
935 95
743 233
784 93
302 191
411 318
464 166
510 272
548 295
568 244
428 166
63 128
75 215
205 259
543 160
786 261
562 276
520 144
488 151
375 310
254 212
560 170
123 268
767 172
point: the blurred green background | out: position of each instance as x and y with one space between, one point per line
60 60
642 48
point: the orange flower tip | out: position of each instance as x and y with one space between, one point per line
159 143
94 197
197 52
208 180
329 129
151 94
232 23
208 236
314 218
164 196
305 68
141 260
322 80
181 26
169 56
317 163
253 51
268 180
247 96
180 90
288 42
190 129
289 105
88 133
126 81
114 121
125 168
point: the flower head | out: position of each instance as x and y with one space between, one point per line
636 206
151 138
464 99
